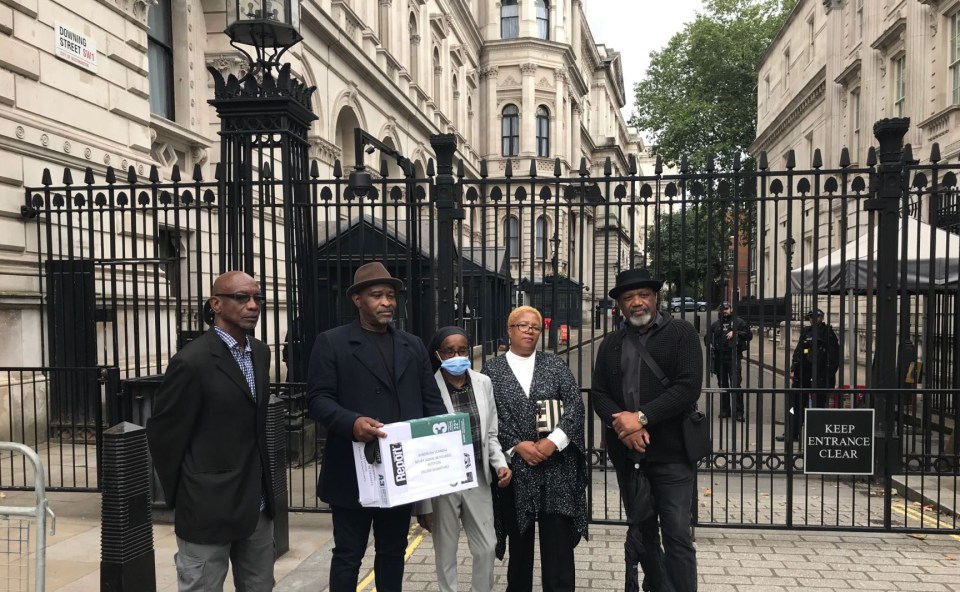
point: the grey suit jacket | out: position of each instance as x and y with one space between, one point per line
490 448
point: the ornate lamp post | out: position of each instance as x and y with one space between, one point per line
270 26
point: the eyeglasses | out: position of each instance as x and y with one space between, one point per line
525 327
449 353
243 298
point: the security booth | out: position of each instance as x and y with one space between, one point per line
558 298
483 303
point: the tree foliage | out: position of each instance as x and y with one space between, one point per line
700 92
687 250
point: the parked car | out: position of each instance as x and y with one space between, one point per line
687 303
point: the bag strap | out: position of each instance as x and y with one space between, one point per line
649 361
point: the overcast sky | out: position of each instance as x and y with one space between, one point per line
635 28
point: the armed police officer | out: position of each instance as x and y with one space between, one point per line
816 360
728 338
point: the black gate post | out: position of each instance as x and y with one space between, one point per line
886 204
445 145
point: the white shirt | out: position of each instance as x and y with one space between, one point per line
522 368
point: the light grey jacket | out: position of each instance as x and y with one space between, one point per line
490 450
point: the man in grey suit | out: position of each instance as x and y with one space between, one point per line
363 375
465 391
207 437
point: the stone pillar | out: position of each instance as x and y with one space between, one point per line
556 115
575 137
383 23
528 111
415 59
489 113
576 7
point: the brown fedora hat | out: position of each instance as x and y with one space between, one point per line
371 274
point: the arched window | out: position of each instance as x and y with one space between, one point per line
540 237
509 19
543 131
414 49
543 18
510 131
511 232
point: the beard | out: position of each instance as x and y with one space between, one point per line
640 320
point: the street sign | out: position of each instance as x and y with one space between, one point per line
75 47
838 441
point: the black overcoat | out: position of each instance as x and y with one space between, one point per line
208 441
346 380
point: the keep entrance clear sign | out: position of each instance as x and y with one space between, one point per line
838 441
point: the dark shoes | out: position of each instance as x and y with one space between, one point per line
740 416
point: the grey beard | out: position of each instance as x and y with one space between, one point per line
640 321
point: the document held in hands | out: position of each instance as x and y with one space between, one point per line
419 459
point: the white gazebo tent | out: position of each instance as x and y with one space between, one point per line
853 267
932 261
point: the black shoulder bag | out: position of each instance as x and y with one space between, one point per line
696 430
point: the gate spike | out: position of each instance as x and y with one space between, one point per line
47 178
711 165
658 165
67 177
88 176
763 161
557 169
791 160
337 169
430 170
111 176
460 172
632 160
583 172
906 157
175 173
267 172
483 169
736 161
384 169
154 174
607 167
508 169
218 172
131 174
872 156
533 168
314 170
817 159
935 152
197 172
684 167
844 157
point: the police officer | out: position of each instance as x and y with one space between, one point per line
727 339
816 360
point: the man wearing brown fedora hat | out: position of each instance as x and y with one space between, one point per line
363 375
643 409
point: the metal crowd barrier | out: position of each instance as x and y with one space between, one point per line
15 539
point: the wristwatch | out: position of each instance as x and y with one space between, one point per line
642 418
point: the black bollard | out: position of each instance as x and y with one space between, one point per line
126 532
277 448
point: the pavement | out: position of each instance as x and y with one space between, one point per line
741 560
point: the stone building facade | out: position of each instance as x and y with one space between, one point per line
517 79
835 68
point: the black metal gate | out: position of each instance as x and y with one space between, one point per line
875 247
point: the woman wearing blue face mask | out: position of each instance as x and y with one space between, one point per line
468 392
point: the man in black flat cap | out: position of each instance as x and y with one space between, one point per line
363 375
643 414
728 338
815 363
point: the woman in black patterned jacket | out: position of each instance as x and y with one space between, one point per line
549 480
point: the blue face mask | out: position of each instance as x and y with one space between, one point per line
456 365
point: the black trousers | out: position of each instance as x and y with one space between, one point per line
672 568
557 540
351 529
728 377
